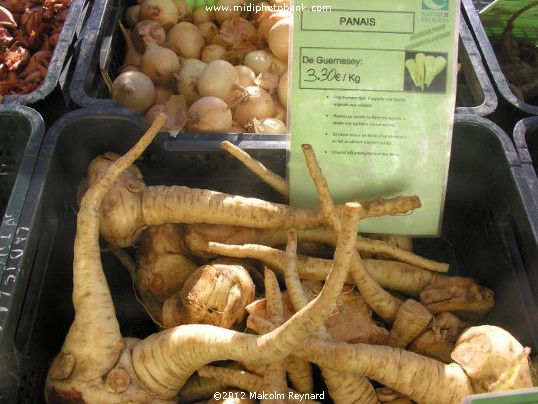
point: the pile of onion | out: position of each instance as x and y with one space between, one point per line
229 68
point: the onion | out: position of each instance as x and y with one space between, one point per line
213 52
187 82
267 22
259 60
256 103
129 68
144 29
209 114
131 56
186 40
202 14
282 90
270 126
159 63
268 81
184 10
278 39
134 91
209 30
246 75
162 94
131 15
226 9
280 111
165 12
220 79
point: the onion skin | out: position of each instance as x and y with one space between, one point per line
258 104
165 12
209 114
278 38
186 40
147 28
159 63
133 90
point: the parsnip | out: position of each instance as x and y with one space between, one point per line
96 364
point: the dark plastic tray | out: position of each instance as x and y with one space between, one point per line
21 133
61 58
510 109
526 141
103 46
486 233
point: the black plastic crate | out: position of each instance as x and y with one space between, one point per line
486 233
58 69
526 141
21 133
510 109
103 47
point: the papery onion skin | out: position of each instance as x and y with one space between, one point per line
246 75
133 90
219 78
226 9
147 28
213 52
159 63
187 82
278 38
186 40
131 15
165 12
209 114
258 104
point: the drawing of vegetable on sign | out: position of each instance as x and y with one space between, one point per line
425 72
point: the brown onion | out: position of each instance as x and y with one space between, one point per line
278 38
209 114
186 40
144 29
219 78
134 91
159 63
165 12
256 103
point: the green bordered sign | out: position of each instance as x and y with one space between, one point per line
523 396
373 91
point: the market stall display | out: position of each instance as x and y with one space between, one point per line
37 44
486 228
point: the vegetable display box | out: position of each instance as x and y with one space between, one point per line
104 49
486 235
513 105
21 133
58 68
525 137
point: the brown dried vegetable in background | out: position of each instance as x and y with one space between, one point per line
29 31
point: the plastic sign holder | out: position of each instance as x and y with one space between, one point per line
373 88
522 396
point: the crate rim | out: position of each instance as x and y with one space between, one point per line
491 60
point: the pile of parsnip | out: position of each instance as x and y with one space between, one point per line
209 71
260 301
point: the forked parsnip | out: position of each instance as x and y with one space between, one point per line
131 206
485 359
96 364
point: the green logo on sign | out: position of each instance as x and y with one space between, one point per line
435 4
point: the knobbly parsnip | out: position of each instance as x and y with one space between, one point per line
96 364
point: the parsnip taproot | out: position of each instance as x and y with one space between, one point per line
342 387
96 364
324 235
392 275
130 206
485 359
